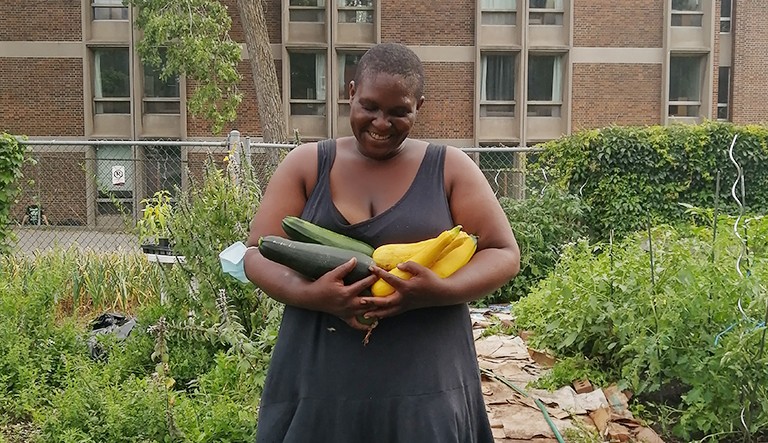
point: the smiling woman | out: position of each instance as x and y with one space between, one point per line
417 379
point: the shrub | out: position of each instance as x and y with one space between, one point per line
626 174
542 223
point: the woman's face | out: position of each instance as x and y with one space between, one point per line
382 112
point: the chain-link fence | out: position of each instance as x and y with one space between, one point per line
90 194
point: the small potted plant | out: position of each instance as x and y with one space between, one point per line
154 233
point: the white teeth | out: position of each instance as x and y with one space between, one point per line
378 136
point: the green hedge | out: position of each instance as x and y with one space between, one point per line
628 174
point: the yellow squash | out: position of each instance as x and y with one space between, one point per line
455 256
425 257
389 256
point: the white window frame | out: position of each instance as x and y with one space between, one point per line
486 105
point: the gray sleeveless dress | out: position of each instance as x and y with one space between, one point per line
416 381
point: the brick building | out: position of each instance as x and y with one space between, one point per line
512 72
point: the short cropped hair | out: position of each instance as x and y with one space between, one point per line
394 59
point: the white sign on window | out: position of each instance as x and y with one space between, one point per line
118 175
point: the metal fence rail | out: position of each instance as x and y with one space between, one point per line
89 194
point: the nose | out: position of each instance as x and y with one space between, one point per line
381 121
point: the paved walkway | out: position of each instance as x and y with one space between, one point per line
40 238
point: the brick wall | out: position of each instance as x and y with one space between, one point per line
449 106
624 94
59 186
439 23
41 97
272 11
750 62
607 23
49 20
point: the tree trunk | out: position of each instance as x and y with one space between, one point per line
263 70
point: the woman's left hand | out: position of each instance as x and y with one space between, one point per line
419 291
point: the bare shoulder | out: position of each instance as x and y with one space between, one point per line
460 167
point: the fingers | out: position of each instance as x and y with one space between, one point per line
343 269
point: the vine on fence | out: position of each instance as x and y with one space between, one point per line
12 159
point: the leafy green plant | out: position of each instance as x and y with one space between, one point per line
568 369
153 227
670 317
12 159
542 223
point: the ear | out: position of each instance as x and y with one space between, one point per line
419 102
351 89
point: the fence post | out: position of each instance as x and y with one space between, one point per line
233 166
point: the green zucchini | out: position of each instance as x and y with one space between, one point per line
313 260
302 230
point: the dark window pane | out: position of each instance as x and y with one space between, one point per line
686 5
155 86
355 16
117 107
499 77
111 73
307 76
308 109
684 78
723 84
347 68
541 75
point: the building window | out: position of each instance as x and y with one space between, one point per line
161 95
307 83
725 15
312 11
545 85
685 76
111 81
109 10
498 12
497 88
687 13
545 12
347 67
355 11
723 92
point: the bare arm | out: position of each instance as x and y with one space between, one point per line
497 260
286 194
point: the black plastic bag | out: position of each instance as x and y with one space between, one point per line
108 323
